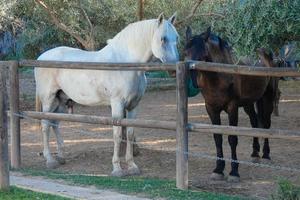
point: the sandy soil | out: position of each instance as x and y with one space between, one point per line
89 147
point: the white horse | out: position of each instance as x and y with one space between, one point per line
122 90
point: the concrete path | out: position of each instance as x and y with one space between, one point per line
43 185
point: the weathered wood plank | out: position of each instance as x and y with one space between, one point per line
4 160
181 131
14 119
244 70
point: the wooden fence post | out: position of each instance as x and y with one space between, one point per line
4 162
181 128
14 119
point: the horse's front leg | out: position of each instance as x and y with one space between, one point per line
233 142
117 110
214 115
132 167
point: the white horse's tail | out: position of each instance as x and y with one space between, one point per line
38 108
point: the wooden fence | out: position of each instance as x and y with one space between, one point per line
182 126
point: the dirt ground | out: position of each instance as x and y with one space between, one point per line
89 148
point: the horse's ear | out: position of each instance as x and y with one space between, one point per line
207 33
160 18
188 33
172 19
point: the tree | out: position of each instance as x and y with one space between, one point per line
84 36
262 23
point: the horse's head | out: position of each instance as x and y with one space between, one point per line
195 47
164 41
265 57
207 47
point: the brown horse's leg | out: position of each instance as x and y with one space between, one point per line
250 110
266 150
220 164
265 109
233 142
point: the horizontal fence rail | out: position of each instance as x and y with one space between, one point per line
244 131
167 125
99 66
198 65
244 69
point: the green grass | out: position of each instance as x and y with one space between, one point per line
152 188
286 191
15 193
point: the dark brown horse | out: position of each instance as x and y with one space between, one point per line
226 92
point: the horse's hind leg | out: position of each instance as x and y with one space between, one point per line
132 167
60 143
48 106
250 110
117 109
265 109
233 142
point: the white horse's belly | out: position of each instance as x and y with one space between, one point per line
90 87
84 88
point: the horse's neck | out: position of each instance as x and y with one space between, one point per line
132 44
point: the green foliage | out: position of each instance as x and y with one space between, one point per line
287 191
154 188
261 23
15 193
246 24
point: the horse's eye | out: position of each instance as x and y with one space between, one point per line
164 40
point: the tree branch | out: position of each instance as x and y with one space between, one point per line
90 38
191 14
62 26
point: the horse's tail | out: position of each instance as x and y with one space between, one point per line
38 108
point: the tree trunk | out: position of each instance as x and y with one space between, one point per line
141 9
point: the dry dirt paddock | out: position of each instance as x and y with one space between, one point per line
89 148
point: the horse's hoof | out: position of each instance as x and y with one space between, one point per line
233 179
52 164
118 173
133 171
136 150
217 177
61 160
267 157
255 154
255 159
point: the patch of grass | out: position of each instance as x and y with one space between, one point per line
153 188
286 191
15 193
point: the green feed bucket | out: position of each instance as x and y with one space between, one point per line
192 91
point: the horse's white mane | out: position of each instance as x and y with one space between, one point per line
134 31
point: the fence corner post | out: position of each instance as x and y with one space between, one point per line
4 160
14 119
181 128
